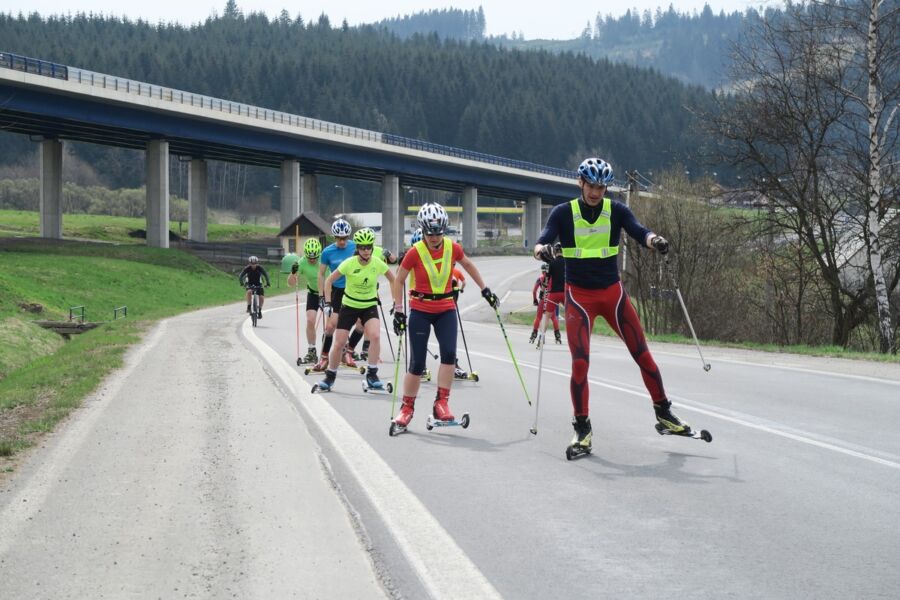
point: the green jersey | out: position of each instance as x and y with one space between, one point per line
361 290
310 272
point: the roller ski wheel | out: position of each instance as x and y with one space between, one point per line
386 388
396 429
431 422
697 435
473 376
577 451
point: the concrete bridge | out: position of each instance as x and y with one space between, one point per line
55 102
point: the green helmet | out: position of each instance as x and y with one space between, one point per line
312 248
364 237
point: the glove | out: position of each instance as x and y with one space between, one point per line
546 253
491 297
399 322
326 309
535 302
294 268
660 244
322 300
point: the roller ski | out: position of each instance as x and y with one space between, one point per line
375 385
442 417
581 443
401 421
319 367
326 384
426 375
534 334
463 376
668 424
311 358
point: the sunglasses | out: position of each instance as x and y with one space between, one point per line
364 246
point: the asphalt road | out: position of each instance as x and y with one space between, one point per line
795 497
206 469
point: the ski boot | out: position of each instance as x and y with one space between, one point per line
426 375
533 336
401 421
326 384
581 443
348 360
364 355
373 384
319 366
558 336
459 373
442 417
669 424
310 358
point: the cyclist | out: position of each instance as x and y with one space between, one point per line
359 303
432 306
309 269
252 275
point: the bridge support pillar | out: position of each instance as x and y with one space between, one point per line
391 217
470 218
198 194
157 163
532 221
290 191
309 194
51 189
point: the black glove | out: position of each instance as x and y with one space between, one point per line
295 267
399 322
491 297
660 244
322 300
546 253
535 302
326 309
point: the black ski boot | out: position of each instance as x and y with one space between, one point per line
558 337
666 420
533 336
581 442
311 356
364 355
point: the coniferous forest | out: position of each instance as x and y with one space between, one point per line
546 107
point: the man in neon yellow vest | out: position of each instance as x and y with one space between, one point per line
589 229
431 305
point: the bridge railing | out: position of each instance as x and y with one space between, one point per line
148 90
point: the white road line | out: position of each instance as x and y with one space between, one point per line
31 496
443 567
803 437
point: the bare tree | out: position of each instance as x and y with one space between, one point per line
789 126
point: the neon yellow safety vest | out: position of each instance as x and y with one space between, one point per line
591 239
439 270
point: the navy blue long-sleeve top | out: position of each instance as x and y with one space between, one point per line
592 273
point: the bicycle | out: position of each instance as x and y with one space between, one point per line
255 310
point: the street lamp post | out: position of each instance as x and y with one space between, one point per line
343 209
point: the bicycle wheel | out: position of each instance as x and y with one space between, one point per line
254 309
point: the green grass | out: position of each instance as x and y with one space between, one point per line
43 378
117 229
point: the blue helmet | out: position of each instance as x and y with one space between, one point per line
341 228
595 171
416 236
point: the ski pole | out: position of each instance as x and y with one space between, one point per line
687 317
463 332
387 333
512 356
397 370
537 400
297 306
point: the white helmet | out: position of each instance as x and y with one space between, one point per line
432 218
253 260
341 228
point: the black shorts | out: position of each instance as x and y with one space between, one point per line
348 316
259 290
312 300
337 299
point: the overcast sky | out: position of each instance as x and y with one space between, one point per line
564 19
